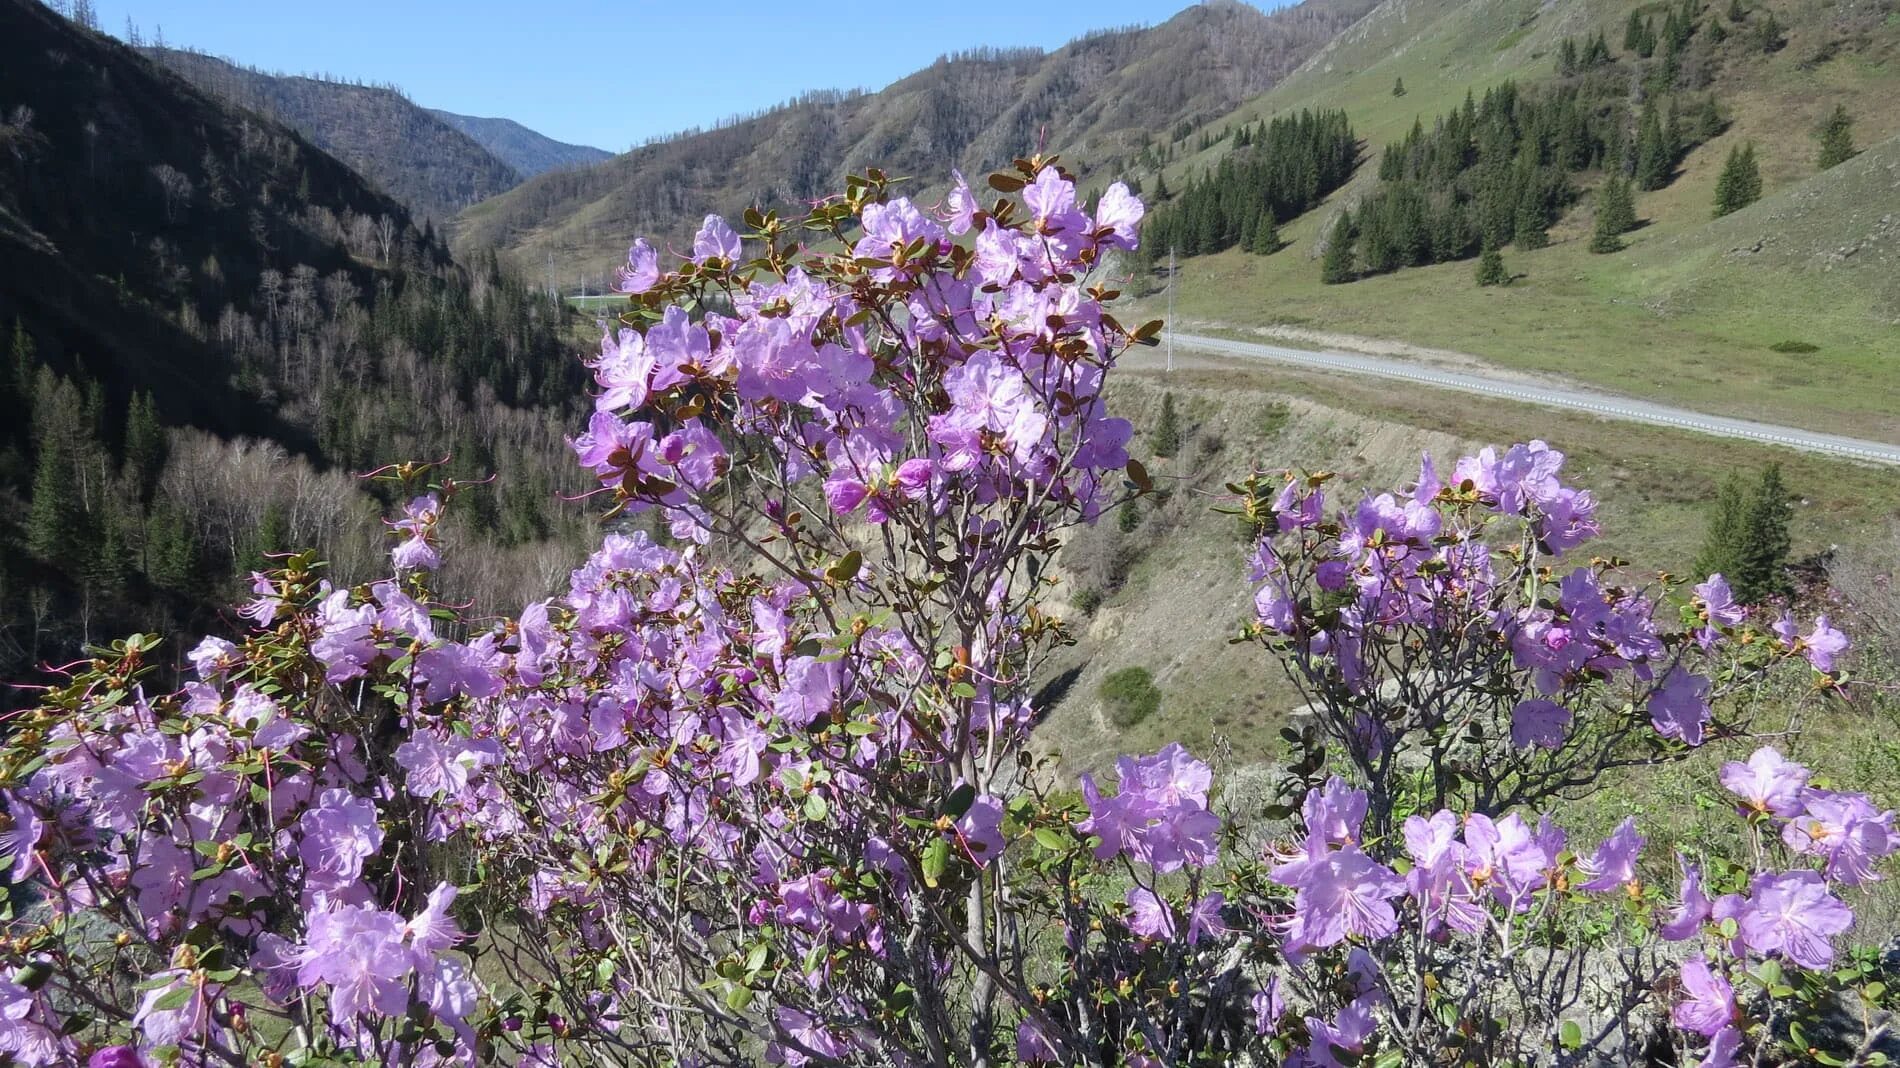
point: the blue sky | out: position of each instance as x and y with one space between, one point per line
613 74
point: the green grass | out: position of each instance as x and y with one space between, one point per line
1690 311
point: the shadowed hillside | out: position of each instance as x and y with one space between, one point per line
207 324
1099 100
409 151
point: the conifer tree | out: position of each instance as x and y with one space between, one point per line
1398 87
1646 41
1567 58
1599 53
1720 553
1837 139
1653 164
1770 35
1336 265
56 513
1735 12
1491 267
145 446
1531 232
1633 31
1709 121
1747 540
1166 439
1739 184
1266 236
1616 214
1764 544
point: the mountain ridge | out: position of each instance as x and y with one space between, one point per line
406 149
528 151
1098 98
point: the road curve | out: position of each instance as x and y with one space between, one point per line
1606 405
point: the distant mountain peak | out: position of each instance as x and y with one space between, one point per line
527 151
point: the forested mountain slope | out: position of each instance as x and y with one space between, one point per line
207 324
1100 101
417 156
528 152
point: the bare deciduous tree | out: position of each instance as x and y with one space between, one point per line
176 187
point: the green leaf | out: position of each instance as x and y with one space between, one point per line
738 998
846 568
173 999
1570 1034
936 858
959 801
1052 839
815 807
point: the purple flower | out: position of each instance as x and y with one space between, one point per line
1505 856
642 269
1032 1046
1338 893
1694 907
1768 782
1718 602
212 656
337 835
180 1025
1539 722
116 1057
358 952
1349 1032
1439 879
1846 829
1680 706
960 206
21 836
715 240
1822 644
1148 915
1615 861
1204 919
1709 1004
980 828
1334 812
1268 1006
1794 915
1119 212
1723 1048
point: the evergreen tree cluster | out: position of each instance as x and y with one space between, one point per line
1280 169
1739 184
1493 172
1837 139
1575 58
1747 541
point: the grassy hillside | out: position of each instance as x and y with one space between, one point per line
1184 592
1692 308
1099 100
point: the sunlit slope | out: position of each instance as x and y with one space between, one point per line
1691 310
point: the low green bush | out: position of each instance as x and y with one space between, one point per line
1795 346
1131 696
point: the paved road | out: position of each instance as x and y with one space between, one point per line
1604 404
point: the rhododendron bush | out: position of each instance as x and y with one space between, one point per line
759 790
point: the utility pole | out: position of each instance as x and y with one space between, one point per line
1170 307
